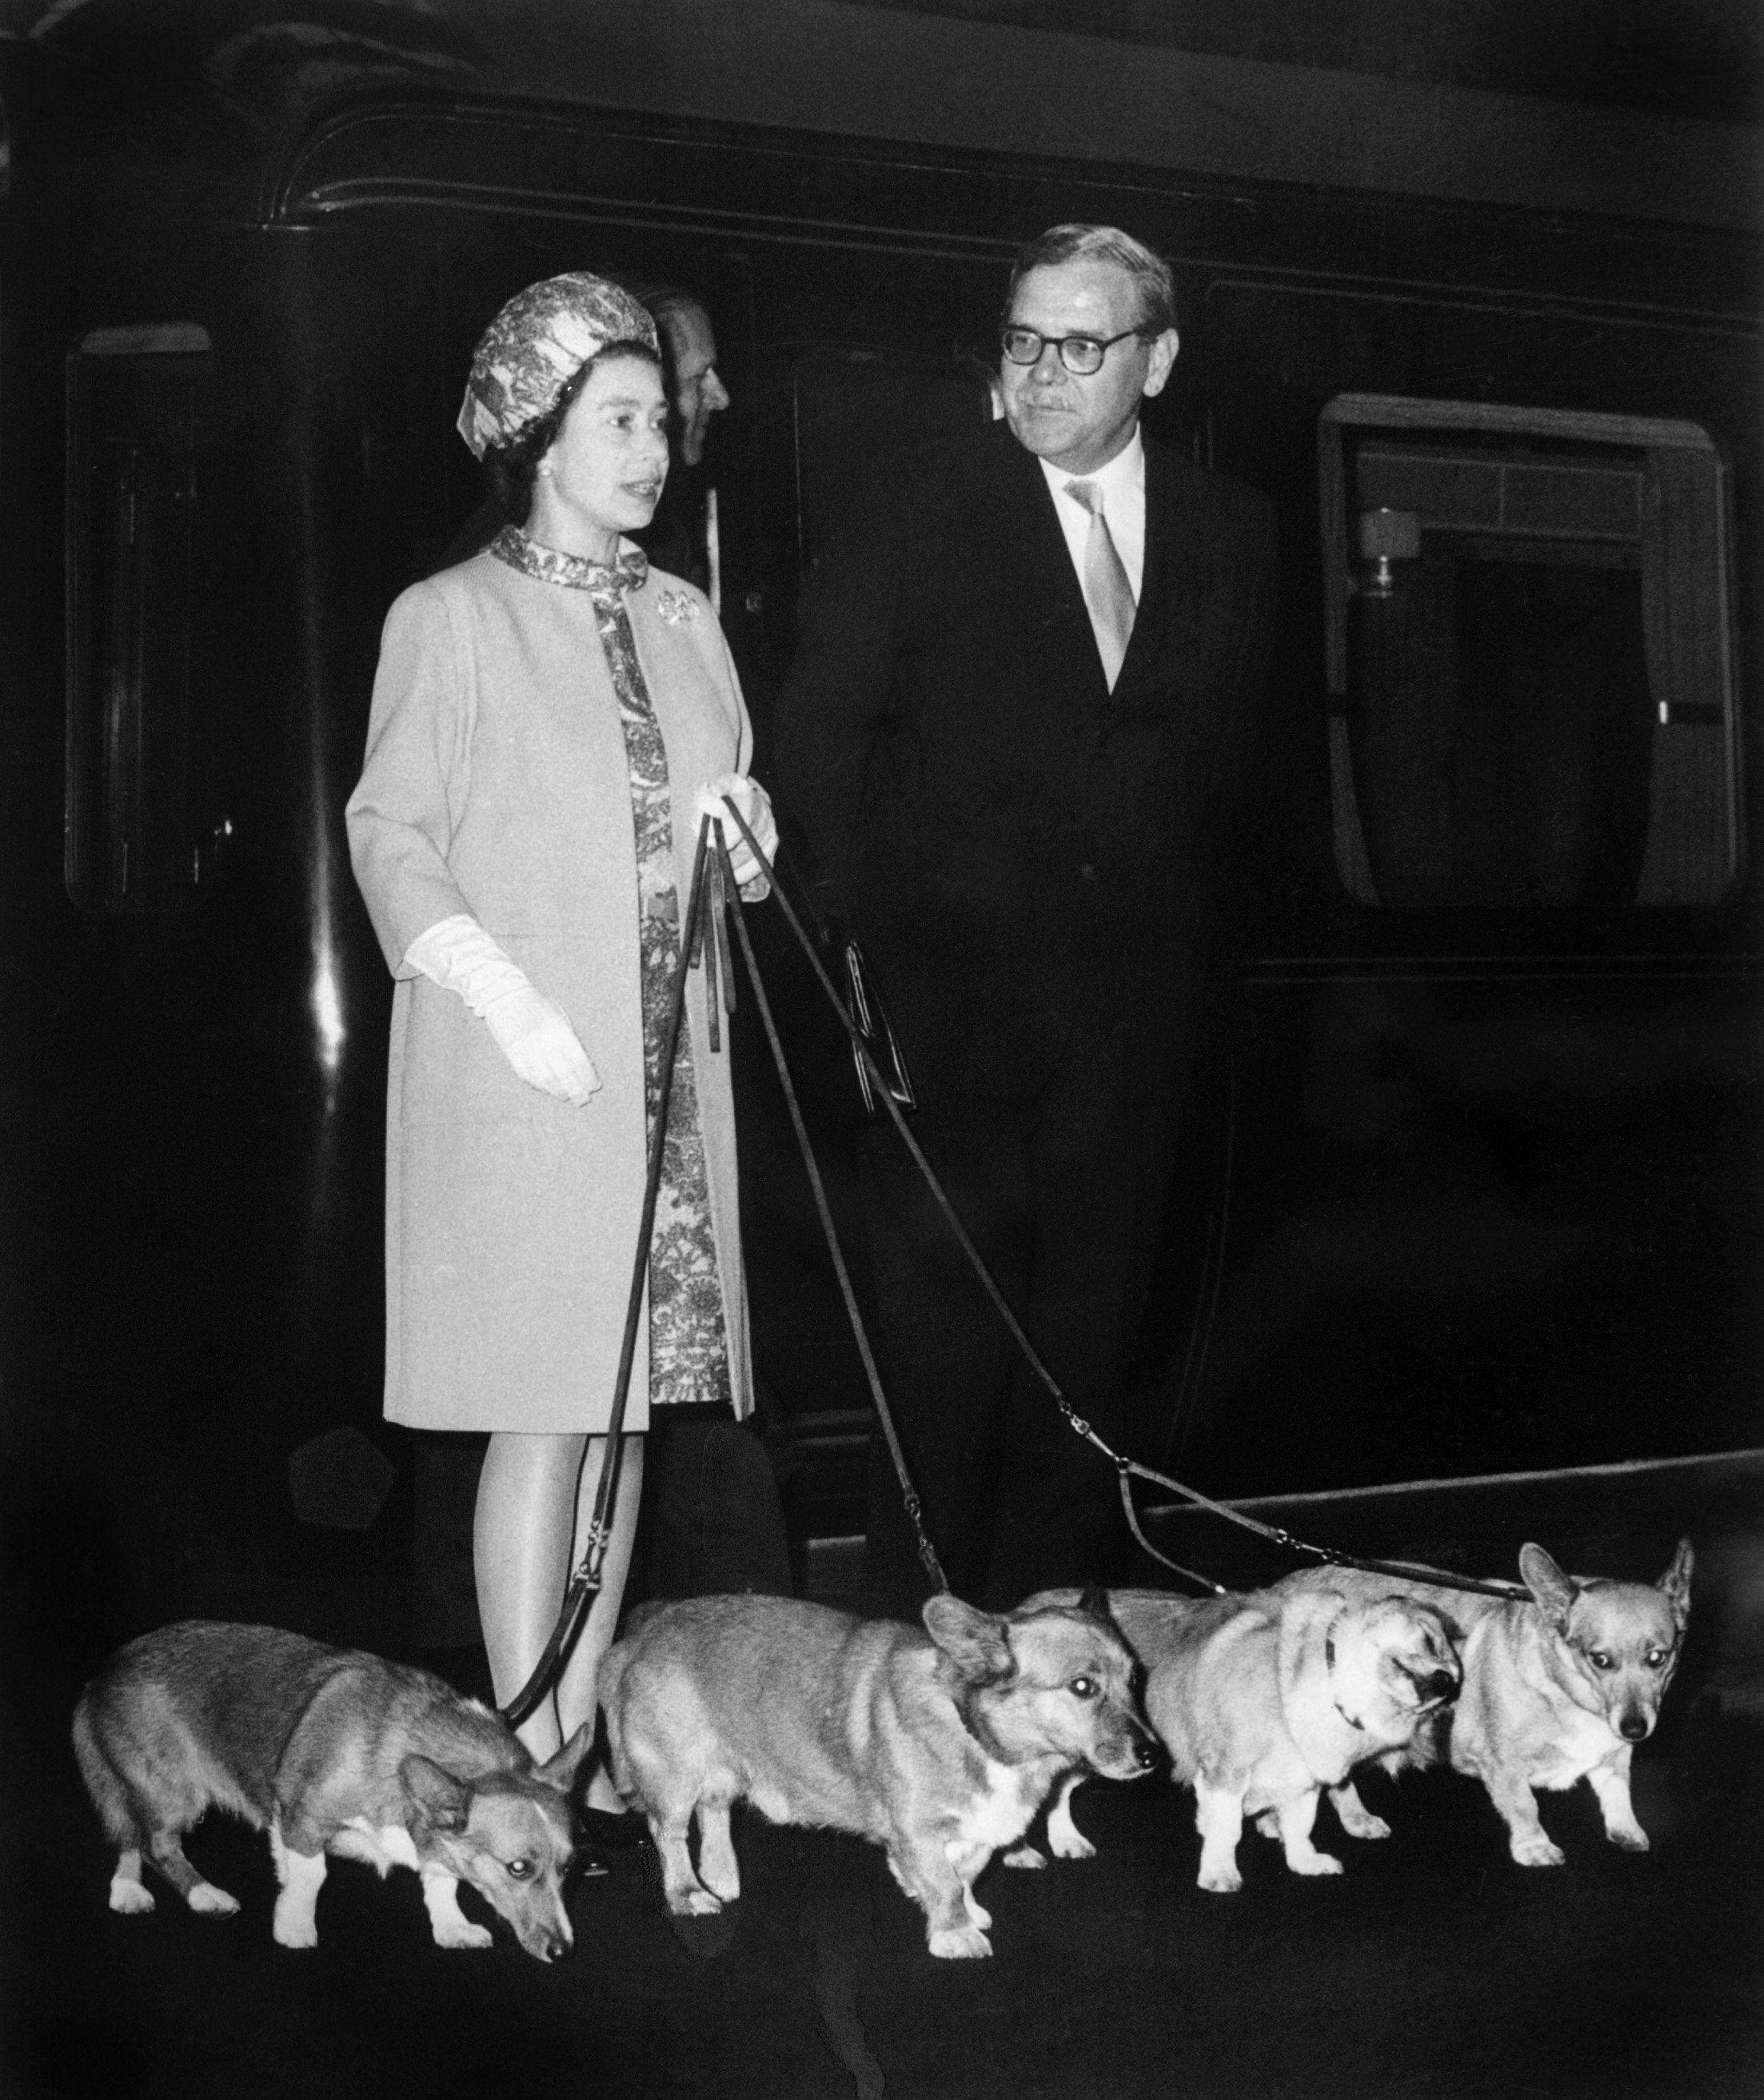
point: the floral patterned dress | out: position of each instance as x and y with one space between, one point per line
688 1349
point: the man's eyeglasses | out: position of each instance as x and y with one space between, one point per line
1082 353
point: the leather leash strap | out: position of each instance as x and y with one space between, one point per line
1125 1467
928 1555
586 1581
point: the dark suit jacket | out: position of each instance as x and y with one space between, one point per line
1019 847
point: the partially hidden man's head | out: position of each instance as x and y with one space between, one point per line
695 386
1084 296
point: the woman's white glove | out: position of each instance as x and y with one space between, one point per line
751 799
538 1041
533 1033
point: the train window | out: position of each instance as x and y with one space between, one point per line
851 405
138 410
1528 650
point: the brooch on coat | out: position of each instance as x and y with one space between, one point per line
676 607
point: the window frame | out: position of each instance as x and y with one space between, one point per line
1715 723
110 807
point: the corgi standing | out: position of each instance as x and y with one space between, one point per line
1563 1688
1265 1698
333 1751
939 1745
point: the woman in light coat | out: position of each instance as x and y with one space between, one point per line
549 723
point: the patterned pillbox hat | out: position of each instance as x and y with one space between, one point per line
537 345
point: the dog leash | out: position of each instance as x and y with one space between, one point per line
697 944
928 1555
1126 1469
1275 1534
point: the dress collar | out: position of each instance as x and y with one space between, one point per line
550 565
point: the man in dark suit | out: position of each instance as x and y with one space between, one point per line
1026 688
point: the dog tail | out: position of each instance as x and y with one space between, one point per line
607 1686
110 1796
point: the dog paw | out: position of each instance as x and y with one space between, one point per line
1268 1823
1025 1855
1537 1851
294 1932
464 1935
1221 1880
129 1898
960 1942
214 1902
1629 1841
1073 1845
694 1902
1315 1862
1358 1819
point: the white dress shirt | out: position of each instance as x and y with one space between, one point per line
1123 483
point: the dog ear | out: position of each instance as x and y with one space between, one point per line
444 1800
560 1768
1676 1582
974 1641
1094 1600
1552 1589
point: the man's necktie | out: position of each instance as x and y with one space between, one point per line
1106 589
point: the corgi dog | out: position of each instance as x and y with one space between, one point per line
1264 1700
1559 1687
333 1751
938 1745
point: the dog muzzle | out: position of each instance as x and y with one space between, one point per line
1434 1689
1130 1755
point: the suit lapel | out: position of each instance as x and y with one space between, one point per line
1049 597
1164 583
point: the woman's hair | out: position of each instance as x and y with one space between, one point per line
1150 273
509 467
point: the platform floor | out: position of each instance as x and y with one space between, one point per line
1435 1969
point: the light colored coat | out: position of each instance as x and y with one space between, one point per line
495 784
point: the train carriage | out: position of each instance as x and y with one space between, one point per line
1475 1158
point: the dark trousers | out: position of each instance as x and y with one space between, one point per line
712 1521
1064 1194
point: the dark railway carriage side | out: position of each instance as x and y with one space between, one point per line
1476 1185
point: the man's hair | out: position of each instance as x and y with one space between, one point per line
1105 244
666 299
664 303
